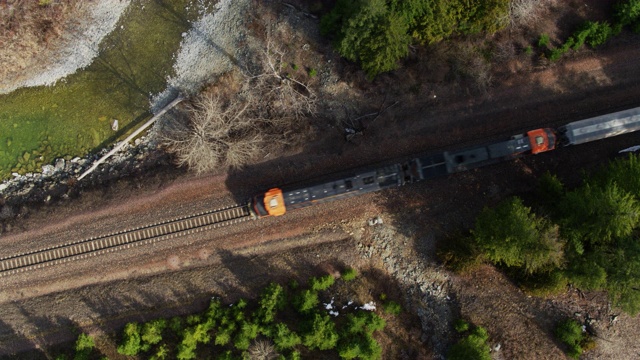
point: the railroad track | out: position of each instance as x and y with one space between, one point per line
149 234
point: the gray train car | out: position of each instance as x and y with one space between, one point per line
471 158
600 127
365 182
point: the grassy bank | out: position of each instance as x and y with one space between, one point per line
74 116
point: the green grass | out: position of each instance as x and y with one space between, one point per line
73 117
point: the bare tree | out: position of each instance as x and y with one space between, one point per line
215 134
469 63
262 350
504 51
523 12
229 130
286 95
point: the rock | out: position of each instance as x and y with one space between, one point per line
76 159
59 165
15 175
48 169
3 186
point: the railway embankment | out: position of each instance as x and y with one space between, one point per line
57 181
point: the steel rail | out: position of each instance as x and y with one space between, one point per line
149 234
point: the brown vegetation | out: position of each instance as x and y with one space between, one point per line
264 112
526 12
28 27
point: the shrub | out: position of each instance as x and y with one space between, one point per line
130 345
227 355
545 284
600 34
193 319
84 346
473 346
215 310
593 33
176 325
152 333
223 336
293 284
248 331
543 41
528 50
570 332
306 301
555 54
270 302
313 72
321 283
162 353
349 274
284 338
359 346
627 12
461 326
191 337
392 307
362 322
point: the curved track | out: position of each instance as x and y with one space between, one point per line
60 254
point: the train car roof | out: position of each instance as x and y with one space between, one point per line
466 159
601 127
509 148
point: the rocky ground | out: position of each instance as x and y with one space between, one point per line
395 232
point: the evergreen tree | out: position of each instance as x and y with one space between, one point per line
320 333
284 338
131 342
270 302
513 236
306 301
367 32
152 333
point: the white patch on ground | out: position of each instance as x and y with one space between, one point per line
370 306
210 48
78 47
329 305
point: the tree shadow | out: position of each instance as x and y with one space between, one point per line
38 346
11 341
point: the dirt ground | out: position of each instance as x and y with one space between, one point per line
434 112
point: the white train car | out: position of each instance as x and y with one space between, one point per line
600 127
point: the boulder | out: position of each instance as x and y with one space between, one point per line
48 170
59 165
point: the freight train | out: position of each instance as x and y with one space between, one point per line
277 201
